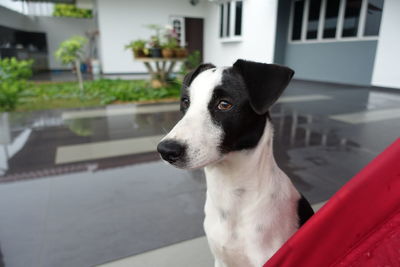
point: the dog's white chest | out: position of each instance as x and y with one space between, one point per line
226 236
249 238
246 224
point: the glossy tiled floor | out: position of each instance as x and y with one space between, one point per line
85 187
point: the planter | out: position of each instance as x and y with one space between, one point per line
167 53
138 53
181 52
155 52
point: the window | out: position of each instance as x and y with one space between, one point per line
335 20
297 19
351 18
238 18
221 20
331 18
373 19
230 24
313 19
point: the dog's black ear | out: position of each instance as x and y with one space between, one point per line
187 80
264 82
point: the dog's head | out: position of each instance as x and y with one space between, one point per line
225 110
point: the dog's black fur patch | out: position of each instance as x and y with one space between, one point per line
264 82
242 126
252 88
304 210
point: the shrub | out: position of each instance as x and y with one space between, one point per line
13 76
192 61
10 92
68 10
13 69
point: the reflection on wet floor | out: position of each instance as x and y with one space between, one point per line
34 139
50 145
305 151
83 187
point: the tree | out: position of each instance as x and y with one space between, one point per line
71 52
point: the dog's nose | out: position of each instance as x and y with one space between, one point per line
171 150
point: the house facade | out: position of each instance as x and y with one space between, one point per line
253 20
340 41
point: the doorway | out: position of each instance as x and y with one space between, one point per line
194 35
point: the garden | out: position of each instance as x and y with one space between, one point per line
18 93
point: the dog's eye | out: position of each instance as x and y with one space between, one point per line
185 103
224 105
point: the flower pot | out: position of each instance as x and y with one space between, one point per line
138 53
155 52
167 53
181 52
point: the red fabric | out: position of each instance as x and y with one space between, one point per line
359 226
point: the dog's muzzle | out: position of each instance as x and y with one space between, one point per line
171 151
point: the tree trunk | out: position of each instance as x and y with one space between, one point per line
79 73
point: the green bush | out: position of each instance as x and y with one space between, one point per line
192 61
10 92
13 69
68 10
13 76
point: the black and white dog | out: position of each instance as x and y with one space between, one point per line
252 207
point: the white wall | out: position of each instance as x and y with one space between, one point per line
258 34
121 21
386 68
60 29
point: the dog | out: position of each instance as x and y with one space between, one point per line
251 206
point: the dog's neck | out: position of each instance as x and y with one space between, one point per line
248 172
251 205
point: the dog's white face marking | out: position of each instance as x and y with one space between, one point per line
196 129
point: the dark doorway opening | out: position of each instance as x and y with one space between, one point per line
194 35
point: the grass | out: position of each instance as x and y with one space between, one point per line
40 96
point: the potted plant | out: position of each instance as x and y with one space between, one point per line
155 46
171 42
181 52
155 40
138 47
168 48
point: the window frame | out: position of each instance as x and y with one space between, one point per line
232 21
339 26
